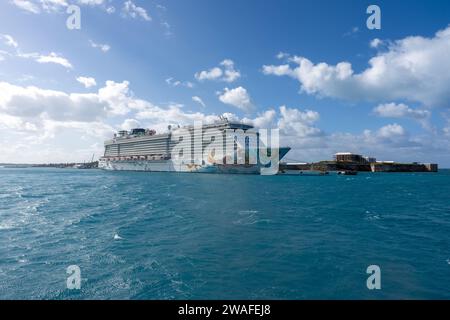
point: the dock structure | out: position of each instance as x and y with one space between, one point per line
347 161
403 167
363 163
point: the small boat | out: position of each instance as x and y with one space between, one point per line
347 173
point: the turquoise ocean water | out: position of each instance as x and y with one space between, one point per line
204 236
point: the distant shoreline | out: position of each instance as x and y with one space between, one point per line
74 165
88 165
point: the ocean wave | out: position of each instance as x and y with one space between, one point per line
247 212
258 241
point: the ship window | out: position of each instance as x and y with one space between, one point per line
235 155
247 150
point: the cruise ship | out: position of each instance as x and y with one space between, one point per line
220 147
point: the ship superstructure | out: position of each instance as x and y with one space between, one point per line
220 147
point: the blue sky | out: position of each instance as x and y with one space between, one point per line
306 67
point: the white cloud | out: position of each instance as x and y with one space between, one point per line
415 69
27 6
87 81
176 83
282 55
375 43
130 9
54 58
129 124
110 10
38 6
50 58
225 72
391 131
16 123
211 74
237 97
54 142
52 6
352 32
264 120
102 47
294 122
34 103
158 118
91 2
167 27
118 97
230 74
280 70
9 40
31 102
49 125
393 110
390 142
26 78
161 7
53 125
198 100
3 55
57 126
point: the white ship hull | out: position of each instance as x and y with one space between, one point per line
198 148
291 172
171 166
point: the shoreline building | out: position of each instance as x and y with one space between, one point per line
365 163
348 161
353 158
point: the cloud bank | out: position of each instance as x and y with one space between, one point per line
415 69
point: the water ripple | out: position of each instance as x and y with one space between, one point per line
181 236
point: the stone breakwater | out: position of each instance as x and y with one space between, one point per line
369 167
